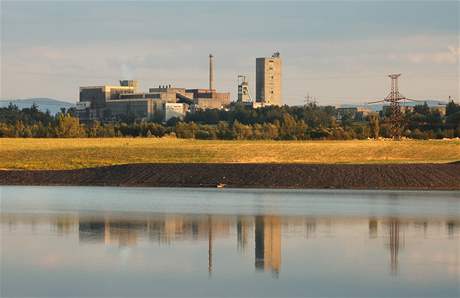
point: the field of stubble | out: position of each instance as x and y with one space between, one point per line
55 154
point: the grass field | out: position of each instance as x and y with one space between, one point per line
82 153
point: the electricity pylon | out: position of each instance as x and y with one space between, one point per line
394 98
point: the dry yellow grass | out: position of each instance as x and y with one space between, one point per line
82 153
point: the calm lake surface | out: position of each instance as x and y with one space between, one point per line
94 241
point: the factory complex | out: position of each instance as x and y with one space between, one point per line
111 103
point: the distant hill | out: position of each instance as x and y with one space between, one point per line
379 106
44 104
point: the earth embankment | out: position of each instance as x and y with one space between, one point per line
380 176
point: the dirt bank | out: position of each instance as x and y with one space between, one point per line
407 176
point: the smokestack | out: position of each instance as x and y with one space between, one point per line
211 72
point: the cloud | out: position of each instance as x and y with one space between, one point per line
450 55
355 68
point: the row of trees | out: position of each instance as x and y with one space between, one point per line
238 123
287 129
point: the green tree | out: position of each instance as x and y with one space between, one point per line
288 127
224 132
186 130
68 127
95 130
242 132
301 132
374 126
452 108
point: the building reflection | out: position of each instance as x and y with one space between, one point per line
451 229
165 229
310 229
263 231
373 228
209 245
268 243
65 224
119 232
243 227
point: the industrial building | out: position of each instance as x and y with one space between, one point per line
268 83
243 90
355 113
268 80
105 103
111 103
108 103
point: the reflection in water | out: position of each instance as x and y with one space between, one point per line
268 243
209 245
395 239
167 228
373 229
125 231
243 226
310 229
451 229
394 243
82 242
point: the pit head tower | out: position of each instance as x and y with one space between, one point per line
268 80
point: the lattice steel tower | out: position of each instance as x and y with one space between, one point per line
394 98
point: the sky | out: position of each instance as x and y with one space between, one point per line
337 51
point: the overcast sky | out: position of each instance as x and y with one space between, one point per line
340 52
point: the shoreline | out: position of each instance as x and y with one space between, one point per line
259 176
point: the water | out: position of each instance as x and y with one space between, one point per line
89 241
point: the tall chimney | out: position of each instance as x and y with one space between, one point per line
211 72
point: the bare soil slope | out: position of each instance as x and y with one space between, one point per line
388 176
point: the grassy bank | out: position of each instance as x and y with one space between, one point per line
82 153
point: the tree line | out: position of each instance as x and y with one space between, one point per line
238 122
